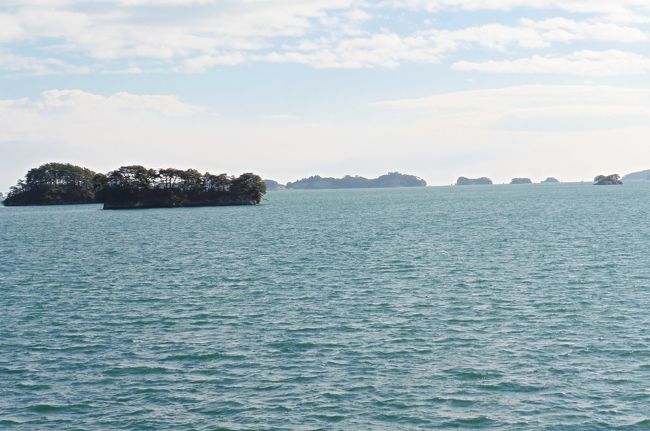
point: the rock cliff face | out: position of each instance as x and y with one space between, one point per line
550 180
521 181
483 181
608 180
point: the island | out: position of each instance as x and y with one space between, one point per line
608 180
551 180
637 177
392 179
272 185
57 184
521 181
483 181
134 187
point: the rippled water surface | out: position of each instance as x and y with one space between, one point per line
506 307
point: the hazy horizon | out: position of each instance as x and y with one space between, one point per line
498 180
438 89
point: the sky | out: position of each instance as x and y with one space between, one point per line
293 88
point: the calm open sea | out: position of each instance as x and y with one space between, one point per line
505 307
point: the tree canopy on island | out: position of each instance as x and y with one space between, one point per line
139 187
56 183
133 186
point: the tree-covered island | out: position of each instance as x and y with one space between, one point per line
391 179
57 184
608 180
134 187
464 181
138 187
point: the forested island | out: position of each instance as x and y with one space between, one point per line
608 180
133 187
392 179
550 180
521 181
483 181
57 184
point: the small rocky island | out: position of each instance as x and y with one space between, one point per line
608 180
483 181
392 179
134 187
551 180
521 181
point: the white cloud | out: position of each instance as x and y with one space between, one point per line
384 50
77 101
197 35
617 8
569 30
140 29
532 100
10 29
391 49
37 66
281 117
207 61
581 63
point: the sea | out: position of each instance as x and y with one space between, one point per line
444 308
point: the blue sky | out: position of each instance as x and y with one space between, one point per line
438 88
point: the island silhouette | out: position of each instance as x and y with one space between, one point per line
133 187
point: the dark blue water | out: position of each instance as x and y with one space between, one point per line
506 307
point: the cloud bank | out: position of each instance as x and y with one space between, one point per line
195 36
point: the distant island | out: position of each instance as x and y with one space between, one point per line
608 180
551 180
392 179
272 186
636 177
483 181
133 187
521 181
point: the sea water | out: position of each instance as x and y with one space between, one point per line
506 307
